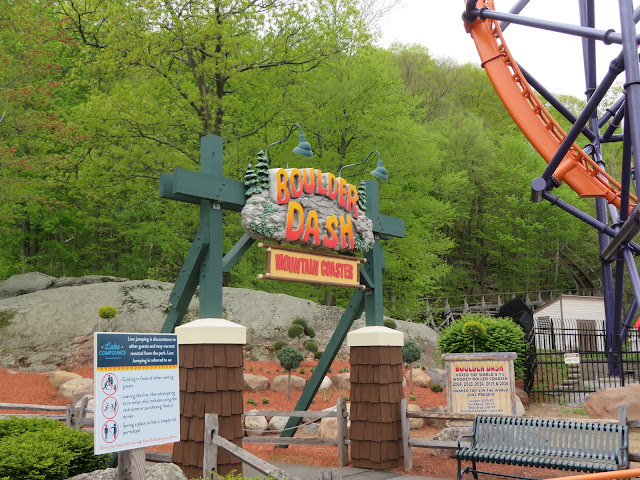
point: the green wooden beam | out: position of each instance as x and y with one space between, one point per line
373 300
186 283
235 254
352 312
229 193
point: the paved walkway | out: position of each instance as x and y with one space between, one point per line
304 472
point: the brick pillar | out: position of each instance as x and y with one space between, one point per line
376 392
211 381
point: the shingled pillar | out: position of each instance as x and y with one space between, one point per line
376 392
211 381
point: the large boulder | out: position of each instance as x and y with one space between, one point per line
277 423
280 383
420 378
342 381
437 375
255 383
604 403
449 434
59 377
438 423
255 425
25 283
523 396
157 471
329 425
325 385
69 389
415 423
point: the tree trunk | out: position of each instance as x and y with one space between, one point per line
289 386
411 379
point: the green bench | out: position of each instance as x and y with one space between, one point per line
558 444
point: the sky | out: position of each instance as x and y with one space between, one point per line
554 59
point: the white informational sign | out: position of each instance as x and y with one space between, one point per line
136 391
572 358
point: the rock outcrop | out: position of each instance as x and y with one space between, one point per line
47 321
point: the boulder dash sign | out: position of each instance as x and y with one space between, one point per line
306 207
136 391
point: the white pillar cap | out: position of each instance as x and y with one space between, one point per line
375 336
211 331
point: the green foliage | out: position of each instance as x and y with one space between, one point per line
310 332
265 401
290 358
300 321
436 388
390 324
503 335
310 346
45 449
107 312
474 330
411 352
279 344
412 397
251 401
295 331
318 354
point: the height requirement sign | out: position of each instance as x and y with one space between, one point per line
136 391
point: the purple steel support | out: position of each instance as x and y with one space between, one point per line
631 315
615 68
612 292
517 8
632 76
549 97
611 111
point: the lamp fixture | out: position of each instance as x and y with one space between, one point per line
303 147
379 172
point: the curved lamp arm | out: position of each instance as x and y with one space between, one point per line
303 147
380 171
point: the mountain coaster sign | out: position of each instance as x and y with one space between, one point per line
295 265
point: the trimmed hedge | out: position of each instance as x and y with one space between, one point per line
43 449
503 335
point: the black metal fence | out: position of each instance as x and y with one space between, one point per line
568 360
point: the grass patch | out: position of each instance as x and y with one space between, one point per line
5 317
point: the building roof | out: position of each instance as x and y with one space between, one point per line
572 306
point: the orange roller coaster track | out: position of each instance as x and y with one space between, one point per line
576 169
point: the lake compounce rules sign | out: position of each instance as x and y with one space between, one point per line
295 265
136 391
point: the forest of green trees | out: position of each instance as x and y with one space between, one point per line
98 98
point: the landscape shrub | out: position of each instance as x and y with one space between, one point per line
309 331
108 312
31 457
300 321
318 354
310 346
20 425
503 335
390 324
295 331
40 443
279 344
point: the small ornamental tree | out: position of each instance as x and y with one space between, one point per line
299 327
503 335
262 170
390 324
290 358
251 182
474 329
411 352
362 196
108 312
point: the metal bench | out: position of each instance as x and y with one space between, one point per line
558 444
